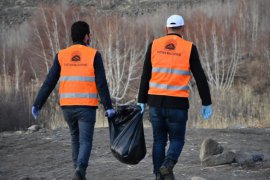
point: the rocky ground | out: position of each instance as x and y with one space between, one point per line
46 154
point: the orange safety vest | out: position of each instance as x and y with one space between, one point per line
170 66
77 77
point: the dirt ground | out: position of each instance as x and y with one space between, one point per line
46 154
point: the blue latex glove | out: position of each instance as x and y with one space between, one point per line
207 112
142 106
35 112
110 113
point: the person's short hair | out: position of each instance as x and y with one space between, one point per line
175 28
78 30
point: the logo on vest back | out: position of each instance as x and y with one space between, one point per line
170 46
76 58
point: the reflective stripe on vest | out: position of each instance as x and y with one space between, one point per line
78 95
77 77
170 66
168 87
171 71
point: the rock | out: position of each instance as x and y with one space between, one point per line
243 158
257 157
226 157
246 158
34 128
25 178
7 133
18 132
20 2
198 178
234 164
43 130
210 147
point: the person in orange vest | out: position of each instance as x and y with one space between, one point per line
80 70
168 65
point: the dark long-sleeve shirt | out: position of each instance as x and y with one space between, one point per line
53 77
170 101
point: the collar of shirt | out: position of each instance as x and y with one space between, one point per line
174 34
80 42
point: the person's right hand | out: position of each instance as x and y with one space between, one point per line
142 106
35 112
110 113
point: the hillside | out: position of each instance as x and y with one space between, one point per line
14 12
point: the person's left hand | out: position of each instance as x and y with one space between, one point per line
142 106
206 112
110 113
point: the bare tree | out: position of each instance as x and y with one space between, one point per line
51 33
4 71
255 24
123 56
42 53
267 57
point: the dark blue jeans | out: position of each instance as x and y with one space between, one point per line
166 123
81 122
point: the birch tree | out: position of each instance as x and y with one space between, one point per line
123 48
51 33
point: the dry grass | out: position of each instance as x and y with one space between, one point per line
14 111
239 107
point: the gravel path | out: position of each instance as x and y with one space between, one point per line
46 154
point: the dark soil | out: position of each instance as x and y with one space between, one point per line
46 154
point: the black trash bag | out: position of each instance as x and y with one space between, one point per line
127 135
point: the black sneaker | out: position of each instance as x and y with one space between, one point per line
169 176
167 166
78 175
159 176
